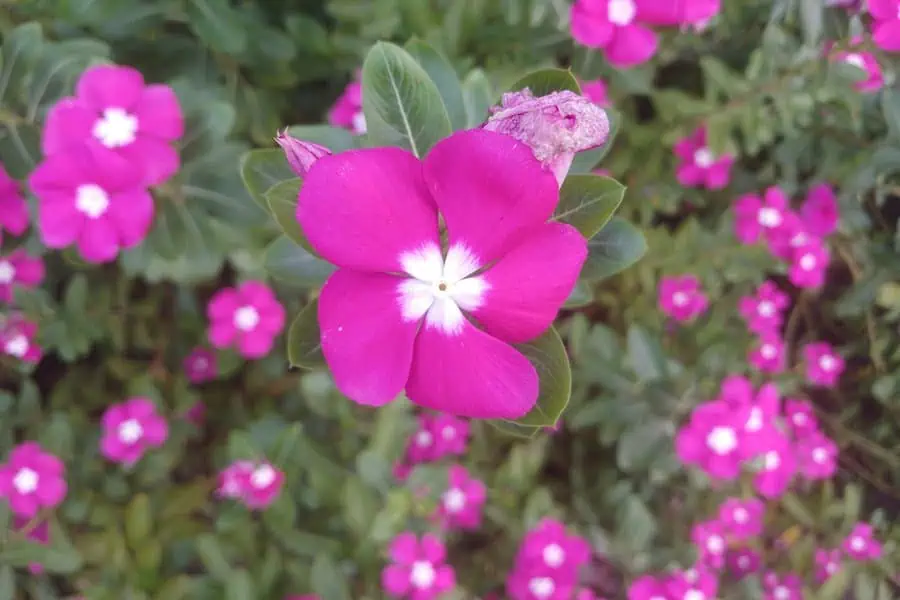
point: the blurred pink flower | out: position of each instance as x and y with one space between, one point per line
763 312
615 27
800 417
200 365
709 539
860 543
32 479
196 414
131 428
698 583
461 503
869 64
451 434
417 570
114 108
736 390
809 264
742 561
683 12
347 111
263 485
823 365
648 587
19 269
248 316
698 166
817 456
828 562
782 587
790 235
548 548
711 440
40 533
17 339
886 28
595 91
768 354
742 519
234 479
820 212
760 424
777 469
13 208
756 216
537 584
681 298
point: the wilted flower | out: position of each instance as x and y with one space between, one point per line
681 298
196 414
860 543
200 365
347 111
19 269
616 27
764 311
461 503
699 167
13 208
886 28
300 155
32 479
248 316
417 571
823 365
130 429
555 126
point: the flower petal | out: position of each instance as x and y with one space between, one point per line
404 549
395 580
59 222
103 86
68 122
255 344
490 190
156 158
883 10
362 209
367 343
159 113
131 214
590 29
887 36
472 374
527 287
631 46
98 241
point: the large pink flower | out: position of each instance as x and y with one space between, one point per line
19 269
112 107
614 26
887 24
130 428
94 198
393 316
32 479
248 316
13 209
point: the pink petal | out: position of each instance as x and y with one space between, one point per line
883 10
158 160
141 408
111 447
48 464
527 287
222 334
471 374
719 174
255 344
362 209
887 36
685 12
404 549
105 86
159 113
156 430
59 223
131 213
590 30
223 305
689 174
51 491
114 415
366 341
98 241
432 549
395 580
23 505
490 190
631 45
68 122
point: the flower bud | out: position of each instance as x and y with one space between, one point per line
300 155
555 126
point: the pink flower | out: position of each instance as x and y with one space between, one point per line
711 440
113 108
32 479
537 584
130 428
200 365
755 216
764 311
742 561
809 264
19 269
374 213
234 479
698 583
699 167
462 502
303 597
742 519
768 355
866 61
828 562
709 538
551 550
736 390
595 91
451 435
17 339
817 456
93 198
648 587
861 544
417 571
681 297
196 414
248 316
820 212
777 469
614 26
800 417
790 235
683 12
300 155
263 485
823 365
555 126
347 112
886 28
785 587
39 533
759 421
13 208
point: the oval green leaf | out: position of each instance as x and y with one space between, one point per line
547 81
587 202
444 77
291 263
304 343
582 295
261 169
618 246
548 355
334 138
282 201
402 105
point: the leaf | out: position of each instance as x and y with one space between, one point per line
292 263
327 579
138 520
282 201
239 586
837 584
444 77
54 558
217 24
402 105
618 246
812 17
548 355
212 557
645 355
582 295
304 341
547 81
334 138
587 161
478 97
587 202
263 169
7 583
21 47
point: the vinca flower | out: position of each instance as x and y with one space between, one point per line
699 167
130 429
248 316
32 479
13 208
417 570
18 269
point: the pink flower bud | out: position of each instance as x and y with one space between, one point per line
300 155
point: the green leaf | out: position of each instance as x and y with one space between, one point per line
587 161
548 355
444 77
217 24
547 81
646 355
54 558
587 202
402 105
239 586
836 586
582 295
618 246
21 47
327 579
7 583
212 557
304 339
478 96
282 201
138 520
292 263
334 138
263 169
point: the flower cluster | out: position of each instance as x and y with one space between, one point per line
547 564
437 436
255 484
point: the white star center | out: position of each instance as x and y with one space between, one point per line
454 500
704 158
7 272
820 456
246 318
769 217
715 544
741 515
554 555
856 60
765 309
17 346
768 351
130 431
621 12
771 461
807 262
359 122
116 128
680 299
262 477
424 439
781 593
542 587
422 575
722 440
91 200
26 481
827 363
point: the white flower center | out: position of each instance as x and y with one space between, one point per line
781 593
722 440
765 309
743 562
799 419
91 199
359 122
768 351
26 481
439 289
857 543
200 363
807 262
715 544
448 433
262 477
454 500
856 60
820 456
424 439
704 158
116 128
769 217
827 362
542 587
741 515
621 12
755 420
246 318
798 239
694 595
422 575
17 346
7 272
130 431
771 461
554 555
831 568
680 299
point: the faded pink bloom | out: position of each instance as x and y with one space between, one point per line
131 428
93 198
595 91
817 456
648 587
347 111
32 479
615 27
19 269
784 587
869 64
114 108
300 155
39 533
263 485
234 479
550 550
374 213
828 562
777 469
698 166
763 312
711 440
809 264
742 561
709 538
742 519
768 354
555 126
200 365
755 216
17 339
417 570
861 544
886 28
303 597
820 212
681 298
823 365
248 316
461 503
13 208
800 416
